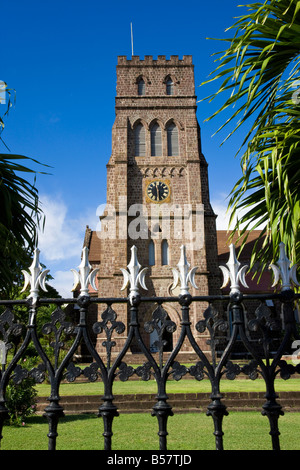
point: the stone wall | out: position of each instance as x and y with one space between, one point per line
186 174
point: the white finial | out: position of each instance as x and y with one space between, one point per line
85 276
183 274
36 278
233 273
284 271
134 277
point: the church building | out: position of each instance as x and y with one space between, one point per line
157 188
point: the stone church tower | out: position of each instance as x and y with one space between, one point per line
157 188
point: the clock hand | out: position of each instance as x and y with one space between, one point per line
158 190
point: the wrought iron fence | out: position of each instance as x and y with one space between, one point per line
225 322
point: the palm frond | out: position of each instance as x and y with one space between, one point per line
259 72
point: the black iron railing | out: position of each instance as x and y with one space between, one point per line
266 336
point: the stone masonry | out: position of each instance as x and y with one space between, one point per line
128 175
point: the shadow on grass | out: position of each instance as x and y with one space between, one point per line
40 419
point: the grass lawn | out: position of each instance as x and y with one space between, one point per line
192 431
242 431
182 386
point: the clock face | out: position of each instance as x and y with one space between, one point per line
158 191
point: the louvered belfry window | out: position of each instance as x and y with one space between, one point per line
164 253
140 140
170 87
151 253
141 87
172 138
156 143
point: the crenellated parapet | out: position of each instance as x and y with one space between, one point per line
160 60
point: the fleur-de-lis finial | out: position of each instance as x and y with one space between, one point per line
134 277
36 278
288 275
85 276
184 274
233 272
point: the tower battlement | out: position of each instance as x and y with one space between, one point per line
161 60
155 72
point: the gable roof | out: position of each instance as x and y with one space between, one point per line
93 242
224 243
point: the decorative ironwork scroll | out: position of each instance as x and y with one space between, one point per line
265 334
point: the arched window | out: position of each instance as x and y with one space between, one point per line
156 146
169 86
141 87
151 253
140 140
164 253
172 139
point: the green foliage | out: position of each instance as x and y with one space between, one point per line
20 218
21 397
21 315
260 73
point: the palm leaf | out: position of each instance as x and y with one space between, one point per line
259 70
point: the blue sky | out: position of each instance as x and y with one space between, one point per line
61 57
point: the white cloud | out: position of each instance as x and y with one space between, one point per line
219 206
63 283
60 238
61 241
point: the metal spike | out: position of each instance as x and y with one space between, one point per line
282 270
233 272
85 276
36 278
134 277
184 274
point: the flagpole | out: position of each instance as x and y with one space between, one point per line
131 40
